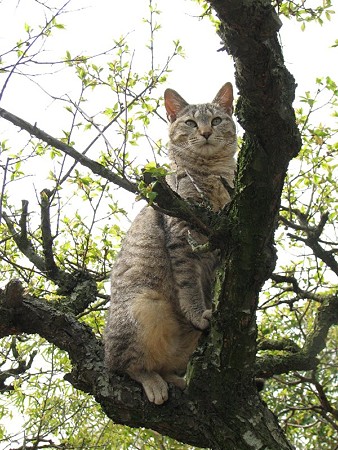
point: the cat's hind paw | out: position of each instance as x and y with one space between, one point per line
176 380
156 390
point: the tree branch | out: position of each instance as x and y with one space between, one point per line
94 166
313 234
21 238
281 345
22 365
13 294
121 398
52 271
305 358
278 279
326 317
170 203
79 285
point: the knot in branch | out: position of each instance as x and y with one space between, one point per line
13 294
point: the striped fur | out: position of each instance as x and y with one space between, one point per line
161 291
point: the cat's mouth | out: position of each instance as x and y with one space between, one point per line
206 148
207 143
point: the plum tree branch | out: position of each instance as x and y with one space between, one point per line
264 109
167 201
311 239
52 271
21 238
79 286
94 166
288 279
304 358
22 365
122 399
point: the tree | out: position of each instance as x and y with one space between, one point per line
57 292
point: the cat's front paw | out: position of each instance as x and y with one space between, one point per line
204 321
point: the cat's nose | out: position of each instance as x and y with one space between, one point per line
206 134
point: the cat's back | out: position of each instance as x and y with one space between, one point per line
142 260
143 322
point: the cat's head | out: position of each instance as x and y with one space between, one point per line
204 128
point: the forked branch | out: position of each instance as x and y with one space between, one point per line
300 358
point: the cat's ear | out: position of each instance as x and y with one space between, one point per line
174 103
225 98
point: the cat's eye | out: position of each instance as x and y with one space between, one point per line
191 123
216 121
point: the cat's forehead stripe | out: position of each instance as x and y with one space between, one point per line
202 110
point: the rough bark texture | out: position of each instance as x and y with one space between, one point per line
221 407
218 416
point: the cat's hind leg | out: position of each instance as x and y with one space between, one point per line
153 384
176 380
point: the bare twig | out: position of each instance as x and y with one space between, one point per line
2 194
301 293
312 235
29 46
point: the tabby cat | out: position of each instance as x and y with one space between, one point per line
161 290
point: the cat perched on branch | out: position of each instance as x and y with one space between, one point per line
161 290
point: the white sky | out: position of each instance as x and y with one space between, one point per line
197 77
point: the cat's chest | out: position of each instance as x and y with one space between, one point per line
213 187
204 188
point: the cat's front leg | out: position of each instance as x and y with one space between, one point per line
206 317
200 321
193 276
192 305
191 295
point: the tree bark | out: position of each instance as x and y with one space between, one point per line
236 421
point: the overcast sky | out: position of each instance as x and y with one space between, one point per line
197 77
